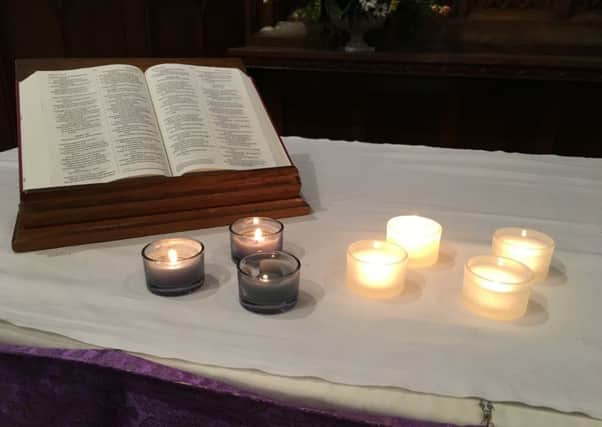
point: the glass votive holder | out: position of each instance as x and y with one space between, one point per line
268 282
255 234
174 266
419 236
376 269
532 248
497 287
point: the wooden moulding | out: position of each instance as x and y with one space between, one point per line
56 236
66 216
45 217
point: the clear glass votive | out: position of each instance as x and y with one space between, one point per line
497 287
268 282
531 247
376 269
419 236
174 266
255 234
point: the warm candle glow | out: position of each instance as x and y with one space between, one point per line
497 287
258 235
172 256
419 236
254 234
376 269
532 248
174 266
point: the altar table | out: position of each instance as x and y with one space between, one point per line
422 356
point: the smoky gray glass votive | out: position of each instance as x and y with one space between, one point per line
268 282
255 234
174 266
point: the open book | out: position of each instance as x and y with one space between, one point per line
101 124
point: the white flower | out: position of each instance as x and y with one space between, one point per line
376 8
368 5
381 11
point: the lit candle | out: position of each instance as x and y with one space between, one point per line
255 234
174 266
268 282
531 247
497 287
419 236
376 269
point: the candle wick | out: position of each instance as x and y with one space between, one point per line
172 255
258 235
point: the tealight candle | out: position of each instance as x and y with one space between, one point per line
497 287
255 234
376 269
419 236
174 266
268 282
531 247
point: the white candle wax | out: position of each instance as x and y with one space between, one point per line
174 266
255 234
531 247
419 236
268 282
376 269
497 287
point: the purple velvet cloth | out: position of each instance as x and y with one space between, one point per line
57 387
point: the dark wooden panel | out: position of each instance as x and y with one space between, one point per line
34 28
224 26
426 63
195 27
109 28
511 115
176 27
93 28
30 28
7 106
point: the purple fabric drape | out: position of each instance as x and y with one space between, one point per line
57 387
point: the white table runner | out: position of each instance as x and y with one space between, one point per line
424 341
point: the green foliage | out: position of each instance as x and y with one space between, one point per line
313 10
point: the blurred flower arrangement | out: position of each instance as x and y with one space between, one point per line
375 9
356 17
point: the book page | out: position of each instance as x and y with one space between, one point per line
278 153
208 120
97 125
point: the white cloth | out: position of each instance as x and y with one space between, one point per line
424 341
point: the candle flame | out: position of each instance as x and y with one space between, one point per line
258 235
172 255
264 277
523 233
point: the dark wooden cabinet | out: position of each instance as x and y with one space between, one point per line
522 75
110 28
